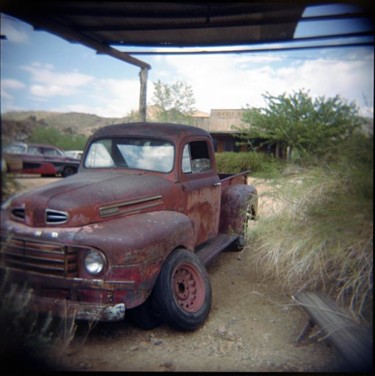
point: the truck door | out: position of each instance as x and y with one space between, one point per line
201 189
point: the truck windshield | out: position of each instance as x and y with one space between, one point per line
132 153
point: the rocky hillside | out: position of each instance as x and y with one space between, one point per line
19 125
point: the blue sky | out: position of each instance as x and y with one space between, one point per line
40 71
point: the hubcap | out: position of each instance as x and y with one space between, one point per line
189 287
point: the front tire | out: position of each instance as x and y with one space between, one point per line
68 171
183 291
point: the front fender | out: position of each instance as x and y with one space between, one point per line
234 202
136 247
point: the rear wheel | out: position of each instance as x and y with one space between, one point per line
68 171
183 291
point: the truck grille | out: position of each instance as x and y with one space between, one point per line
41 257
54 217
19 213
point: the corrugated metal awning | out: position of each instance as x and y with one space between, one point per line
104 25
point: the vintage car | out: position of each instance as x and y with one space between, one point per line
45 160
76 154
132 231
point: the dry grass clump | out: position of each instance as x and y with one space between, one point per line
322 238
30 341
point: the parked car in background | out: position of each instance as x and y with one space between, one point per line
46 160
76 154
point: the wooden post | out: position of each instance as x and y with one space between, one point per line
143 93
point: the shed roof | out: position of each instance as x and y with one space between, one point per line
104 25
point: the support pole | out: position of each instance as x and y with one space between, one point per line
143 93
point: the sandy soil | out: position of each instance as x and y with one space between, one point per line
252 327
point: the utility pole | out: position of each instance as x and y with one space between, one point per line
143 93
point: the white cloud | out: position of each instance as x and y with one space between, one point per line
218 81
115 98
9 83
13 34
48 82
232 81
104 97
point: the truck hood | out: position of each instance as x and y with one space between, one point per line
89 198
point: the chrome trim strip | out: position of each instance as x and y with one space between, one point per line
113 209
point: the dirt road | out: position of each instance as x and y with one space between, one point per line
252 327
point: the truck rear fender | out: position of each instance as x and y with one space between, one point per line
234 202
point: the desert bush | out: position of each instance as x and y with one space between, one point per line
323 236
52 136
30 341
260 164
9 186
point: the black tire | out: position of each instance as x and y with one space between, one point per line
68 171
145 316
183 291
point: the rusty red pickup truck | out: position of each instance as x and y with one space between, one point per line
132 231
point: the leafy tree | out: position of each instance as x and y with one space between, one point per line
133 116
175 102
312 127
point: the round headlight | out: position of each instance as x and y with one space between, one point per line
94 262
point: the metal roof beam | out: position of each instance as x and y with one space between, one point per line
141 9
71 35
270 20
258 50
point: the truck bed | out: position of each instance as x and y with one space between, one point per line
231 179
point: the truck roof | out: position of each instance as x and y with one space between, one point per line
157 130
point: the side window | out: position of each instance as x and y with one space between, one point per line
99 155
49 152
34 150
196 157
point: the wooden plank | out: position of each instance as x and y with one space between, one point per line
352 340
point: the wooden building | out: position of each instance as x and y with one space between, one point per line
221 123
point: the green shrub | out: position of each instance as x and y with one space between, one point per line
52 136
260 164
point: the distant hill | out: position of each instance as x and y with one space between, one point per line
19 125
23 122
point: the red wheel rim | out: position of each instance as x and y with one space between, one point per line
189 287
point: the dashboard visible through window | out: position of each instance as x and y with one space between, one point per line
196 157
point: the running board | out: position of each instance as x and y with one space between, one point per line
213 247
